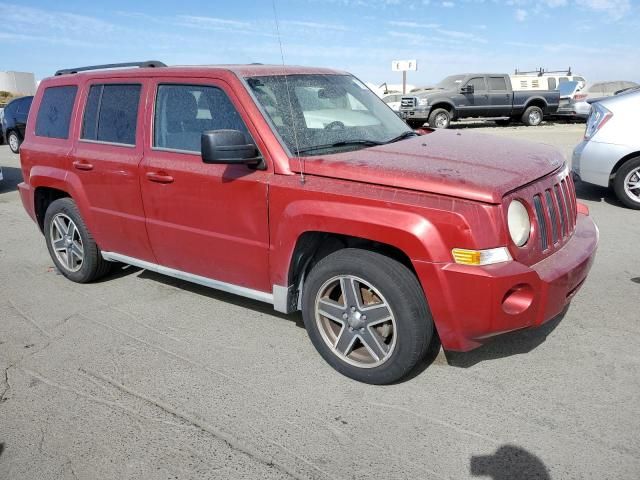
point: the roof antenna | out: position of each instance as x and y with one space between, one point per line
284 71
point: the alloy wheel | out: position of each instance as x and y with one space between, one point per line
355 321
14 143
66 242
632 184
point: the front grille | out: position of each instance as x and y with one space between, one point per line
408 102
555 211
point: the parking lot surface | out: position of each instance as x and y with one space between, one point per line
141 376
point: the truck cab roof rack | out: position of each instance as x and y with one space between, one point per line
146 64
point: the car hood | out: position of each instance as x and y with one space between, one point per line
437 92
457 164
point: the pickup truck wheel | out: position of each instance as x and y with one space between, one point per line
532 116
627 183
72 248
440 118
14 142
367 315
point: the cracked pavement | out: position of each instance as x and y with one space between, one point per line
141 376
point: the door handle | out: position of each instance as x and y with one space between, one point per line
82 165
159 177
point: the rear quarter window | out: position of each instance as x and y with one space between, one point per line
54 114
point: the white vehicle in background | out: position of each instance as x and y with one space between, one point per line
542 79
609 155
393 100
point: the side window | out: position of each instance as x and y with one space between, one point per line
497 84
552 83
183 112
24 105
111 113
563 79
478 84
55 110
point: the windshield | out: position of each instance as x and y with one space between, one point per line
451 83
326 113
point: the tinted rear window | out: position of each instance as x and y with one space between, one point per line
55 110
111 114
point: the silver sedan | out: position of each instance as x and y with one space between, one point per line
609 155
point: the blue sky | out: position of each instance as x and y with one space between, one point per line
598 38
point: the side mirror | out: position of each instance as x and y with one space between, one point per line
228 147
467 89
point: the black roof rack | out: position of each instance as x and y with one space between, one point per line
541 71
147 64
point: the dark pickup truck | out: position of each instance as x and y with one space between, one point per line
477 95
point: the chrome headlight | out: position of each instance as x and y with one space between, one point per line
423 102
519 222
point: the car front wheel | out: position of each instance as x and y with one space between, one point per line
367 315
627 183
440 118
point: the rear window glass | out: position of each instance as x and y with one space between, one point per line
55 110
111 114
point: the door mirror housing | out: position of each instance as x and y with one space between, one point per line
228 147
467 89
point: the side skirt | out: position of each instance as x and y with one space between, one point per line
189 277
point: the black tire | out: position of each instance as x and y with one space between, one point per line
14 141
415 123
532 116
440 118
629 171
92 265
413 328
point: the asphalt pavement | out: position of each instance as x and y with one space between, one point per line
141 376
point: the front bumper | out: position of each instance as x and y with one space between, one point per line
418 113
471 304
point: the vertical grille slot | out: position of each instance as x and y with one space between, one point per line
542 223
553 216
564 231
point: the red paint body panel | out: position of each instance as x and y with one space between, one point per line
423 196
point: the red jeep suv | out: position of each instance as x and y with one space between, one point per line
299 187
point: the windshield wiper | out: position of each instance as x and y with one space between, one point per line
342 143
402 136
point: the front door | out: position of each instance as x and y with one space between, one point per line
473 104
203 219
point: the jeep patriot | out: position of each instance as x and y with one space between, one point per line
299 187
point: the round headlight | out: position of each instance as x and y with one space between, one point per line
519 223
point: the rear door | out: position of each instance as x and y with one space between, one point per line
500 97
22 112
106 159
203 219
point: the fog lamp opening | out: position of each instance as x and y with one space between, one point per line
518 299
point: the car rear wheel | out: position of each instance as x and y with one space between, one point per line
532 116
367 315
72 248
14 142
440 118
627 183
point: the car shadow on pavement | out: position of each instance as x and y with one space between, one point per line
506 345
221 296
596 193
12 177
509 462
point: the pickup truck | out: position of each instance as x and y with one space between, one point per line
299 187
477 95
